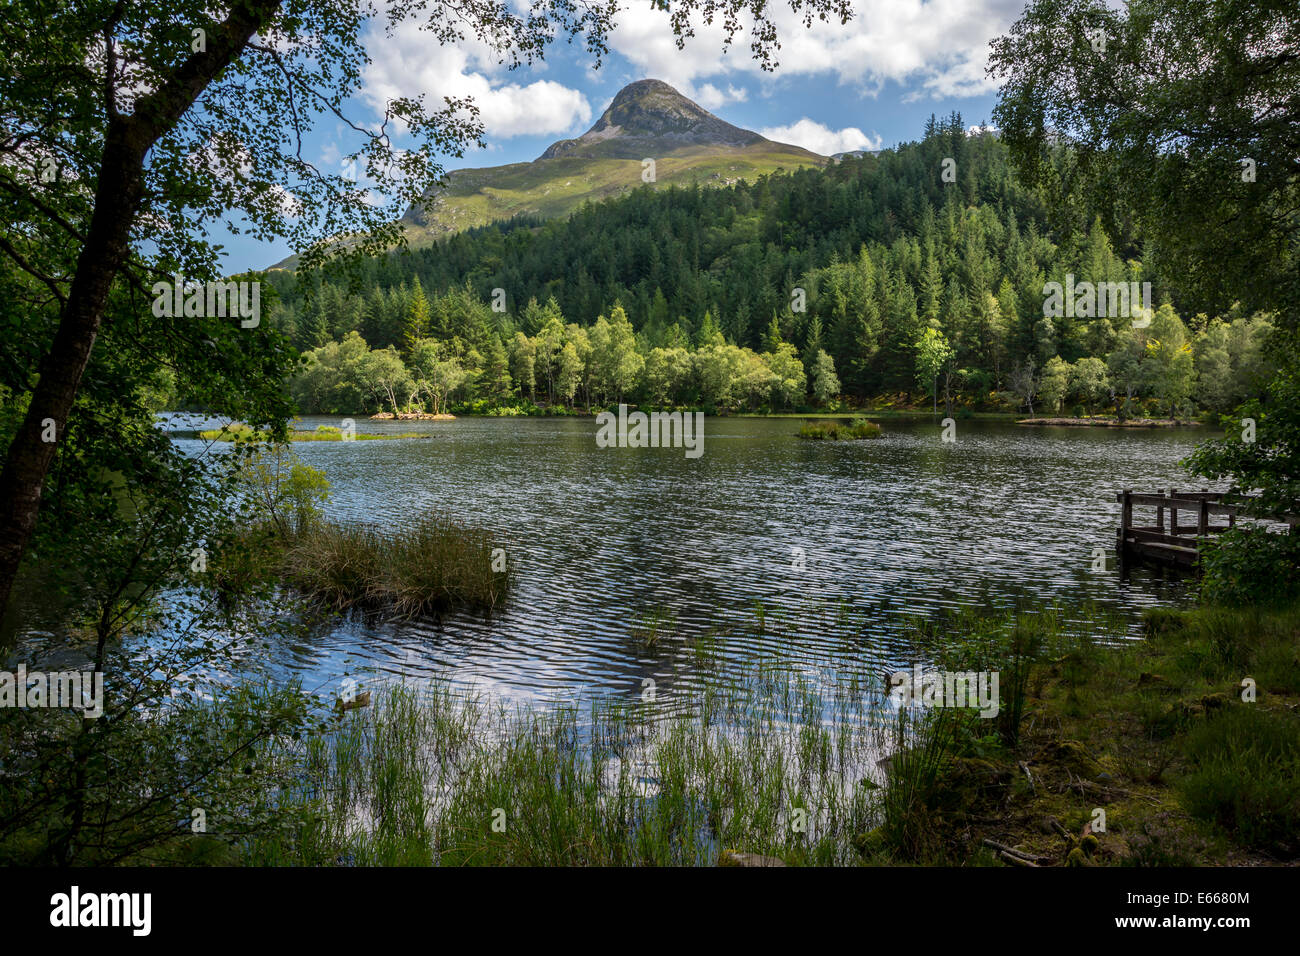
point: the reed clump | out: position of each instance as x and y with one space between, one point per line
434 563
857 429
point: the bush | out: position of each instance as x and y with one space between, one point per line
1251 566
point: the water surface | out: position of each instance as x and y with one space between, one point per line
600 540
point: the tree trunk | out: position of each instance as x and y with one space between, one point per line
30 457
118 189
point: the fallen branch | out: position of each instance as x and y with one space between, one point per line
1019 857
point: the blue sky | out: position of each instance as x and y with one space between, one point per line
865 85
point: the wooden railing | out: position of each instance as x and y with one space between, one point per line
1178 544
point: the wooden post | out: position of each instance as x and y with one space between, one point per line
1126 514
1173 514
1160 513
1203 525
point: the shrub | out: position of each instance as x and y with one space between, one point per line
1251 566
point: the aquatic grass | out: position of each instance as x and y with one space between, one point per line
425 775
434 563
856 429
654 622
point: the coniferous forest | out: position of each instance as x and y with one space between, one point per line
872 277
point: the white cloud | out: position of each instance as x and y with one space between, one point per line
710 97
410 62
940 46
821 139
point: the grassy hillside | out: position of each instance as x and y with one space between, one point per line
647 119
552 188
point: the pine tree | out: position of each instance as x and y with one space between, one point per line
772 337
709 333
418 315
495 382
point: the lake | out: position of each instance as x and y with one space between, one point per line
602 541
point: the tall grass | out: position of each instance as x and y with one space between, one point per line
434 563
823 771
926 745
770 765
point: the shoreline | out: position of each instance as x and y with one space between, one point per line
1109 422
412 417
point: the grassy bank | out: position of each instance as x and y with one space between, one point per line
1154 734
771 764
1104 421
433 563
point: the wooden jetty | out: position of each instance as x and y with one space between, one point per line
1175 544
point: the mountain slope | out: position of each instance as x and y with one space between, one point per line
646 120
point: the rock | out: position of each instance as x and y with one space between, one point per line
736 858
1076 857
361 700
886 763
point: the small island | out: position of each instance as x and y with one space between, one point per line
857 429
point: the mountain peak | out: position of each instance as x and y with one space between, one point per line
643 89
649 117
